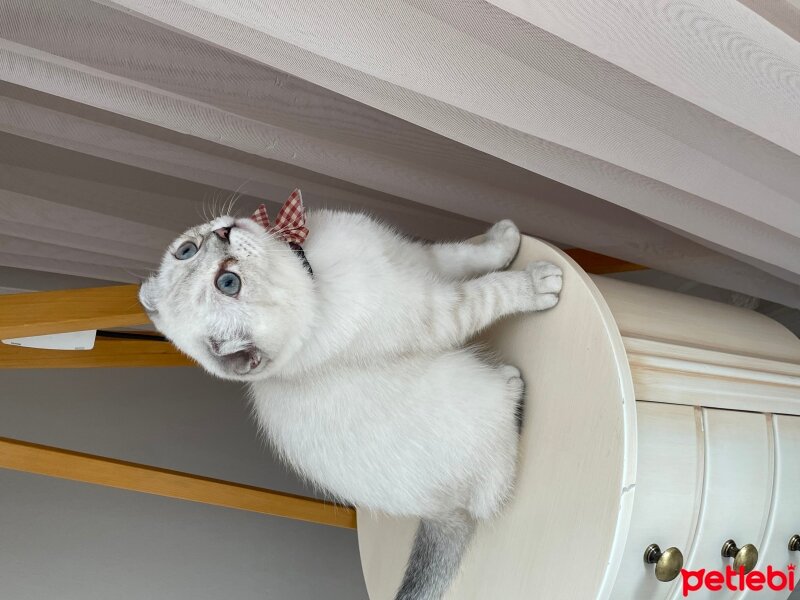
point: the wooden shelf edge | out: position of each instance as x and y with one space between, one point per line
600 264
66 464
106 353
61 311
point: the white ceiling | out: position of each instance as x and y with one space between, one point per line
662 133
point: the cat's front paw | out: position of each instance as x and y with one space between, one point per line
546 283
505 235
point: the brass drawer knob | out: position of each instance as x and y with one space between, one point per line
746 556
794 543
668 563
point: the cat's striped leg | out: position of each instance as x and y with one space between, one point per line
459 310
492 251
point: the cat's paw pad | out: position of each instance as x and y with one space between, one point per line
547 281
506 236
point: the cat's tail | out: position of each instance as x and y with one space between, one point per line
435 557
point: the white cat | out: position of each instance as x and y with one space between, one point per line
356 365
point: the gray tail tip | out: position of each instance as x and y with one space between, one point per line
436 555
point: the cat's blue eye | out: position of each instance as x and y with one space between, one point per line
229 283
186 250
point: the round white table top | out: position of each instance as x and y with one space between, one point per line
563 533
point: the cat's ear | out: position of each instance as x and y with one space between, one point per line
147 295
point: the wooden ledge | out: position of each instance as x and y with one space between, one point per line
600 264
66 464
60 311
106 353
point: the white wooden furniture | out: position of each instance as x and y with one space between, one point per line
651 418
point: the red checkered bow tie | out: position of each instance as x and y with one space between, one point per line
291 221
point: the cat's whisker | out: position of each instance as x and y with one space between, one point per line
218 205
229 204
286 229
234 200
214 200
235 196
210 205
137 276
206 207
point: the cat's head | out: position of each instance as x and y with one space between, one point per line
232 296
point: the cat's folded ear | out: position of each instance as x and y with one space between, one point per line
147 296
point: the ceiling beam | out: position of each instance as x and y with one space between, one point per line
106 353
60 311
98 470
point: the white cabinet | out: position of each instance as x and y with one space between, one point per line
668 492
784 516
737 490
650 418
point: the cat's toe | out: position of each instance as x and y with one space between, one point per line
547 283
546 277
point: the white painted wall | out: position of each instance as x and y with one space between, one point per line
63 540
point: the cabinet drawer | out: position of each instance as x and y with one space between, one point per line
666 502
737 490
784 516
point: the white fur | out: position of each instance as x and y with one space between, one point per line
363 383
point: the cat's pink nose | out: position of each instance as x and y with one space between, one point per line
223 232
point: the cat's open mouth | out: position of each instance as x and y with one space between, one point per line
244 361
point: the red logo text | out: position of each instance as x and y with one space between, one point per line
738 580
